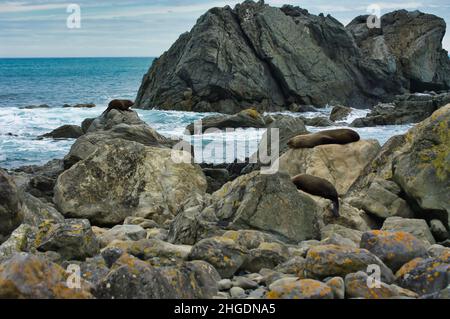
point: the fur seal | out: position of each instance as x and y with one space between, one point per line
339 136
120 105
318 187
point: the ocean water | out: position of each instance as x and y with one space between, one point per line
60 81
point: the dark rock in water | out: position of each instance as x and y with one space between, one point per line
243 119
11 214
270 58
407 108
302 108
65 131
84 105
318 121
31 107
340 113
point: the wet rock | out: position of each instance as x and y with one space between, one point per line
416 227
394 248
407 108
19 275
331 261
340 113
124 178
81 105
317 121
65 131
243 119
300 289
72 239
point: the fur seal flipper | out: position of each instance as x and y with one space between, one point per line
338 136
318 187
120 105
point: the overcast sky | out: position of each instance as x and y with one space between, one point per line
143 27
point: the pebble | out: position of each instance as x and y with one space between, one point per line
244 283
237 293
225 284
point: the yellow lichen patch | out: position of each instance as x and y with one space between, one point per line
252 112
408 267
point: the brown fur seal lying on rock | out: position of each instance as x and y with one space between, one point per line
318 187
339 136
120 105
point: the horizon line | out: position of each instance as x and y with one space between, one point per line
74 57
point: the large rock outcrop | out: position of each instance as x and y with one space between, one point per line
123 178
423 170
271 58
11 214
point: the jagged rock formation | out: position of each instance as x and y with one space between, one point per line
259 56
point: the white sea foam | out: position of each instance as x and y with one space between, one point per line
19 129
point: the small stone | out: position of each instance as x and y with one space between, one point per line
225 284
244 283
337 285
237 293
300 289
257 293
438 230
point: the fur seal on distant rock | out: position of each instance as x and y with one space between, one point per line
338 136
120 105
318 187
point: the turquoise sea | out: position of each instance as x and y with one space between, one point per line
59 81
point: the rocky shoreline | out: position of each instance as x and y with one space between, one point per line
139 225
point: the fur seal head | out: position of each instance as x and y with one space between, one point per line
318 187
338 136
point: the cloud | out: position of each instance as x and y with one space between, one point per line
9 7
